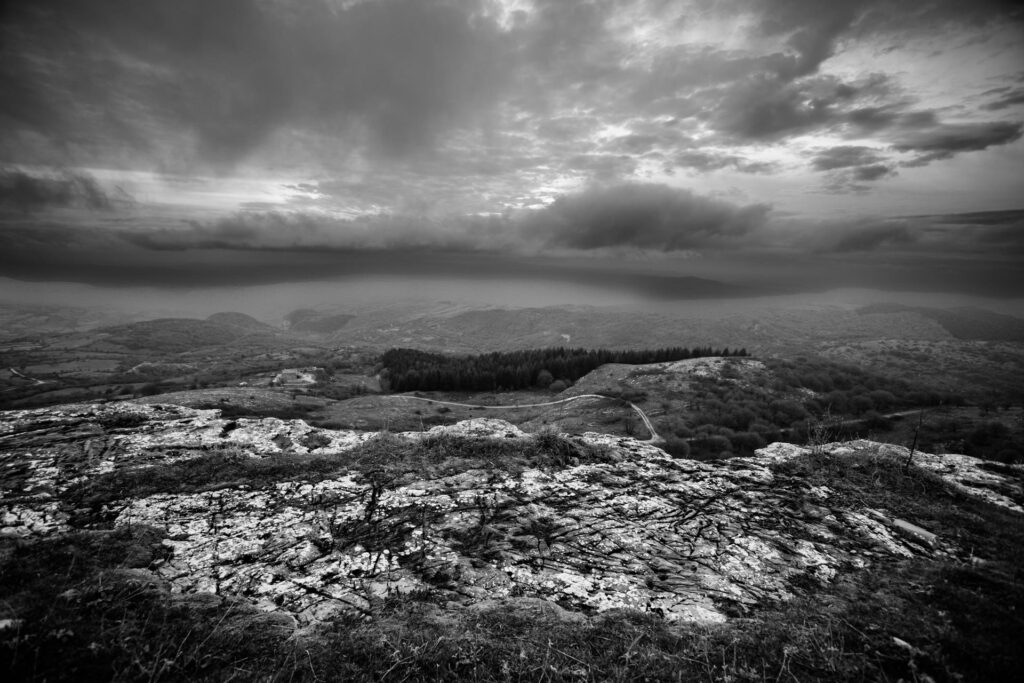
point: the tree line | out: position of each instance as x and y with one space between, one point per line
413 370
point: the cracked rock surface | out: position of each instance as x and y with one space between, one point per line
685 539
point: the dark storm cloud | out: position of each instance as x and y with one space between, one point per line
325 83
57 253
23 240
922 15
844 157
655 218
871 119
428 126
602 167
908 252
945 140
765 108
566 42
872 172
983 231
856 180
45 250
1008 99
995 235
921 132
636 216
812 27
651 217
781 95
849 166
234 71
301 230
714 161
644 216
873 238
27 192
1009 217
762 109
818 26
809 30
636 143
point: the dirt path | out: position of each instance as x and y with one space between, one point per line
24 376
655 438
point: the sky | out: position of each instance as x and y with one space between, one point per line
671 148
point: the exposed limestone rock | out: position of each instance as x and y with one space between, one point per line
685 539
971 476
480 427
711 366
40 519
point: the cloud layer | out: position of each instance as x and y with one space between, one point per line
501 95
227 75
28 193
653 217
577 128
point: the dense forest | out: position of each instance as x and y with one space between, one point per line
412 370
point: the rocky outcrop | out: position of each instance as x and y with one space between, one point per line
639 529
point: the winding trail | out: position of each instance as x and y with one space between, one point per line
655 438
31 379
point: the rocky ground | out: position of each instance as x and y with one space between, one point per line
634 528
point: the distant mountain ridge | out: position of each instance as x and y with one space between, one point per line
967 323
309 320
238 320
183 334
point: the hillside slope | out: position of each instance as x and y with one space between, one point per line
311 525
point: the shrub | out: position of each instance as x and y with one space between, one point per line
746 442
682 431
711 447
768 432
861 404
986 434
883 400
314 440
874 420
122 420
677 448
1009 455
785 411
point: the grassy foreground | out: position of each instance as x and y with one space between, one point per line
77 607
